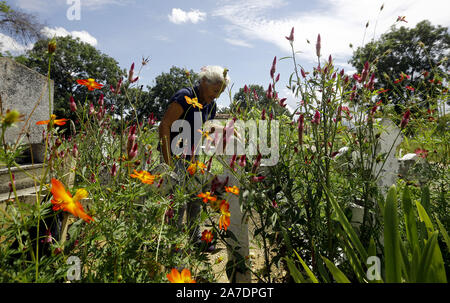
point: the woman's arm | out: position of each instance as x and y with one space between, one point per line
173 113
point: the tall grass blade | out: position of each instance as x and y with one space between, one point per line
338 275
391 238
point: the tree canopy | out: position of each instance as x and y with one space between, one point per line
72 60
419 53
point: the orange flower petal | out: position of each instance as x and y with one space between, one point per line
174 276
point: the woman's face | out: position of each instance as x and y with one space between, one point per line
209 92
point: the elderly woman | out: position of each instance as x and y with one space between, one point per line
190 105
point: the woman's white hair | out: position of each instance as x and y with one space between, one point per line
214 74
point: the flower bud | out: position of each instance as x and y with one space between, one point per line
291 36
318 45
73 105
52 46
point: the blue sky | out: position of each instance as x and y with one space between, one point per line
243 36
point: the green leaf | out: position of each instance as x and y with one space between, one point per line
353 259
307 269
425 200
431 265
347 227
391 238
295 273
425 219
444 233
410 220
338 275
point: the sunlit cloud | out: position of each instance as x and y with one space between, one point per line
178 16
339 22
62 32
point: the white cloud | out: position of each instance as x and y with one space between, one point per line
8 44
178 16
339 22
238 42
62 32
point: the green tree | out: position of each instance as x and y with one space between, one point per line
156 100
419 52
74 60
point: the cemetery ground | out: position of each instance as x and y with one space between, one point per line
358 192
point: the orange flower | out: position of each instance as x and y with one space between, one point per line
192 169
205 134
176 277
194 102
144 176
62 199
207 236
224 220
52 120
90 83
232 189
207 197
202 167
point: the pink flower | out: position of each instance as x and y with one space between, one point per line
242 161
269 92
114 169
101 101
131 74
365 71
423 153
133 151
233 160
75 150
91 109
291 36
272 70
303 73
410 88
258 178
318 46
151 119
274 204
73 105
405 119
300 129
316 119
257 163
